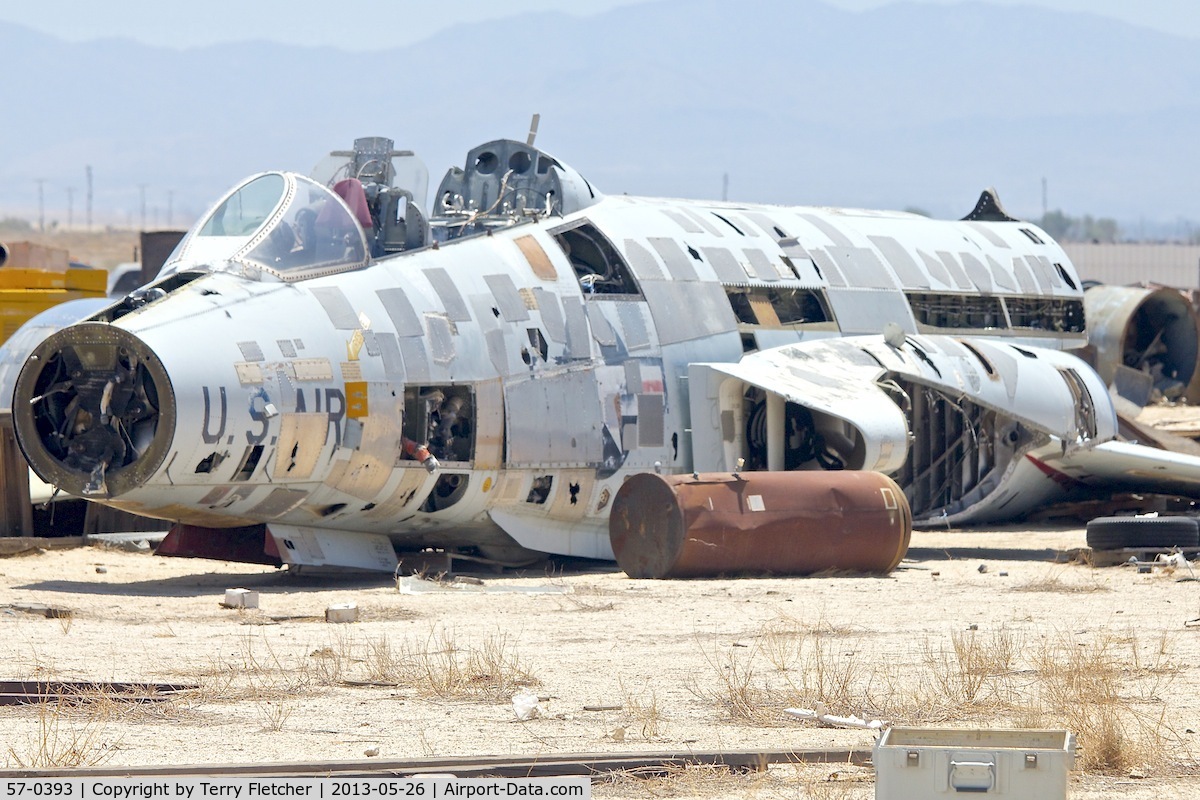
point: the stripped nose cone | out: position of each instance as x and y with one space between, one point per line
94 411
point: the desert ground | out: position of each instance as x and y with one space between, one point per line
981 628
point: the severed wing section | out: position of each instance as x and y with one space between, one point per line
972 430
1126 467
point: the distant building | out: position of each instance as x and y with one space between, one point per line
1175 265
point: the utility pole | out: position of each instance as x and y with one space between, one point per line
41 182
88 171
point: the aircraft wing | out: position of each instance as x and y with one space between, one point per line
1125 466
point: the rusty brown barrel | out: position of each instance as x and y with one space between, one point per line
786 523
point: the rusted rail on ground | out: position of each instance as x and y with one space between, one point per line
14 693
504 766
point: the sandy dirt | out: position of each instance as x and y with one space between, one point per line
692 665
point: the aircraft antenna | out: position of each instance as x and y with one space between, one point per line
533 126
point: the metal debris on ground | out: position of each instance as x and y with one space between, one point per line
819 714
413 585
42 610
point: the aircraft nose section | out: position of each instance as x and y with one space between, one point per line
94 410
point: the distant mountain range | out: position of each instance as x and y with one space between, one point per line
909 105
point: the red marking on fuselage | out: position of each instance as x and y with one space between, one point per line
1061 478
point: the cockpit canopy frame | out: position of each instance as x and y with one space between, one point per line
279 224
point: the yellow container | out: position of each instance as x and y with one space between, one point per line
25 293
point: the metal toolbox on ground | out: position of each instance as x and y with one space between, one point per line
915 763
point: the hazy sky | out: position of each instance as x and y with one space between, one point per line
377 24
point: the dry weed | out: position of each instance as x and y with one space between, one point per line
439 666
69 734
273 713
697 780
972 677
1053 582
737 690
812 667
1107 695
641 711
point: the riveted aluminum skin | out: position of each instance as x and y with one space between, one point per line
786 523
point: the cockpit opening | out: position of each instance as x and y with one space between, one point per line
279 223
598 266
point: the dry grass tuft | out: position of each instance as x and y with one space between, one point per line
1054 582
809 667
1108 692
972 677
697 780
642 712
74 734
737 690
439 666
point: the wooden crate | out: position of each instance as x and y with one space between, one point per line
16 514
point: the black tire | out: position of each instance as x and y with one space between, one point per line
1114 533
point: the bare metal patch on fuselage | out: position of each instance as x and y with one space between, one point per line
389 353
827 266
650 420
554 419
956 271
497 352
400 311
761 264
416 359
686 311
641 262
278 503
251 351
1003 276
902 263
1046 274
633 325
578 341
986 231
689 225
704 223
775 229
977 272
862 268
725 264
936 269
552 317
602 332
835 236
452 301
1025 279
863 311
677 262
508 299
337 307
441 340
